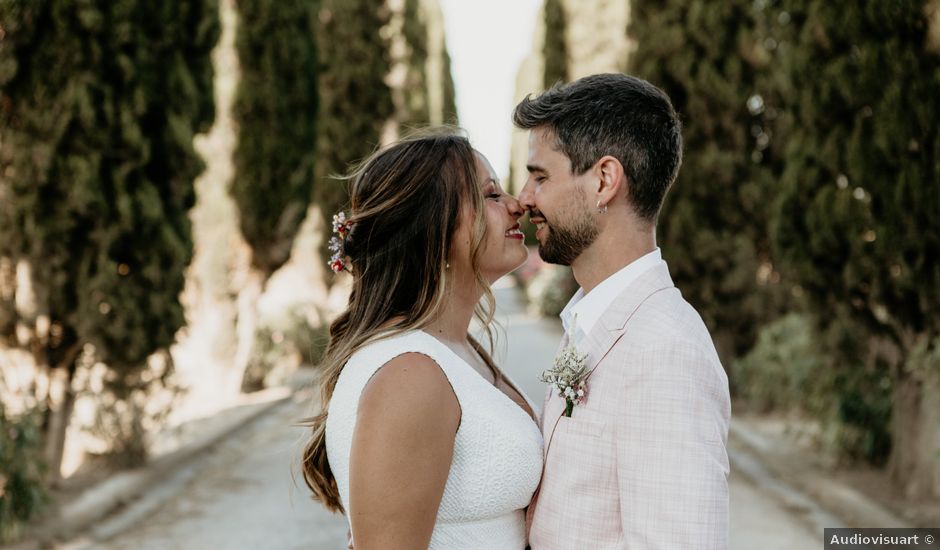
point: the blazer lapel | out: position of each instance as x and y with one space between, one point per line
612 324
609 328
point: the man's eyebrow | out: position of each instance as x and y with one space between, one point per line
535 168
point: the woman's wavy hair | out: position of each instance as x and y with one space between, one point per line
406 203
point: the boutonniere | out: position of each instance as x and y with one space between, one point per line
568 375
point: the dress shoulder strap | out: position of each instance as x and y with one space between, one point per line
366 361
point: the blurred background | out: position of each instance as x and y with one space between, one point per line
166 189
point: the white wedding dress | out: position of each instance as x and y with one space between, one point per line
497 459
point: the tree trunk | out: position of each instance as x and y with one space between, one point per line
932 12
61 403
915 422
248 319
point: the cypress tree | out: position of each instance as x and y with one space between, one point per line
424 93
856 217
713 227
415 33
276 111
449 115
100 101
355 101
276 114
554 49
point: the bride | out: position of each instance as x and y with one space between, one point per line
420 439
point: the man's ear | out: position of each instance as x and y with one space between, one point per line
610 179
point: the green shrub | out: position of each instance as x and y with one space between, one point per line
781 371
550 290
22 494
788 371
280 344
131 407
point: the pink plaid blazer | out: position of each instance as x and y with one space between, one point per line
642 462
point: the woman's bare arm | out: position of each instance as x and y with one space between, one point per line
401 453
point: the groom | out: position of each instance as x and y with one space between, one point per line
641 462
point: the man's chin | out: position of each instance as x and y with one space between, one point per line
550 256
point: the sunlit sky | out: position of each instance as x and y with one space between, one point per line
487 40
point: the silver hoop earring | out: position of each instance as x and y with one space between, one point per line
601 209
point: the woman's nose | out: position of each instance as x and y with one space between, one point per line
514 206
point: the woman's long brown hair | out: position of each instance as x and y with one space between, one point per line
406 202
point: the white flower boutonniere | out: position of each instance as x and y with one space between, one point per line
567 375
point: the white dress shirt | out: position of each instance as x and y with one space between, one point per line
588 307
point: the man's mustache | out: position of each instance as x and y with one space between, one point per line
535 213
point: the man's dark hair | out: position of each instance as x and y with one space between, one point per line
618 115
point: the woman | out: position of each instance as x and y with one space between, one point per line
422 442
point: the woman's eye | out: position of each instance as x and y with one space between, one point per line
494 195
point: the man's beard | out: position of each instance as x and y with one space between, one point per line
563 244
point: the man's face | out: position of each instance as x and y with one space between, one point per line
557 201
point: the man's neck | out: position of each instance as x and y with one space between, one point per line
608 256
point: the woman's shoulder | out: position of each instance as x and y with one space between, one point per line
409 380
373 356
386 348
400 371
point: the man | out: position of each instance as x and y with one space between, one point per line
641 462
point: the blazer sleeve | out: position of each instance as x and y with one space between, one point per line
671 437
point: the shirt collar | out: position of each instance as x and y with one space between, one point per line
587 308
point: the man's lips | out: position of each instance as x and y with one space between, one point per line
538 221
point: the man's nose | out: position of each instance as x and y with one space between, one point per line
526 196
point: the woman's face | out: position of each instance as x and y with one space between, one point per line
503 248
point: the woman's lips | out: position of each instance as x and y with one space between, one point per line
515 232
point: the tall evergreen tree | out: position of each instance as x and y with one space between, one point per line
857 214
100 101
276 113
713 227
355 101
426 95
554 48
450 93
415 34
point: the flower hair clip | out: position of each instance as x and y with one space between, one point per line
341 227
